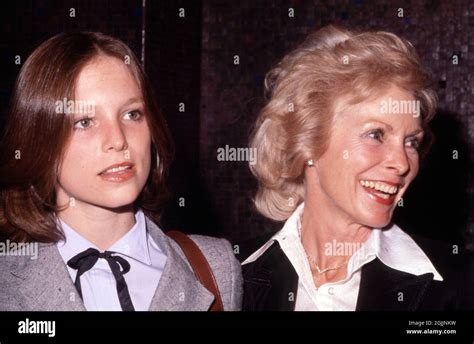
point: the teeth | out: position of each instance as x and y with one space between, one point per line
383 195
116 169
388 189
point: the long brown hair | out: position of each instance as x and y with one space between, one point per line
35 135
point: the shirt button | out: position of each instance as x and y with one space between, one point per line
331 291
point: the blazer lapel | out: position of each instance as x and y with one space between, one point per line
178 289
384 288
45 284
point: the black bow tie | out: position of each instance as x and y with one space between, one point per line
85 260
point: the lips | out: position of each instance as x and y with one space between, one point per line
115 168
381 191
118 173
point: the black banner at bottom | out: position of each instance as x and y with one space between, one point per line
443 327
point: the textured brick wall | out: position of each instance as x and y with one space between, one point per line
261 32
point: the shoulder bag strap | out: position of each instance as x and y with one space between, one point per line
199 264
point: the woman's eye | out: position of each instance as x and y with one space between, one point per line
133 115
376 134
414 143
83 123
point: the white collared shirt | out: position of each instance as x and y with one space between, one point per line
392 246
99 290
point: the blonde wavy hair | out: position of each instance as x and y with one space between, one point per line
306 88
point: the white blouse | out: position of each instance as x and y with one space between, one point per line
147 262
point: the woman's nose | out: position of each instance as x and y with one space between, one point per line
398 160
114 138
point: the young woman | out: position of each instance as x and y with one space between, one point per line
84 158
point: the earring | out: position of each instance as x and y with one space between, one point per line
310 163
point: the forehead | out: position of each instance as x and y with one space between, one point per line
393 106
105 75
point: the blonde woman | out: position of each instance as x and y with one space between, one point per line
338 144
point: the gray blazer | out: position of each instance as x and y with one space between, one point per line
44 284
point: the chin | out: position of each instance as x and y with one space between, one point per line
375 217
117 201
377 222
373 220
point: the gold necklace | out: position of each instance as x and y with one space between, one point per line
312 262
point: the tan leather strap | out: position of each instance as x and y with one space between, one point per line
201 267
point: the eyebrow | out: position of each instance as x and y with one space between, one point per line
390 128
416 132
133 100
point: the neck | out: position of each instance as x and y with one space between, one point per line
101 226
322 226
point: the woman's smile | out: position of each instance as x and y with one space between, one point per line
383 192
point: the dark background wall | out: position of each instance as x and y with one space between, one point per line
190 61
